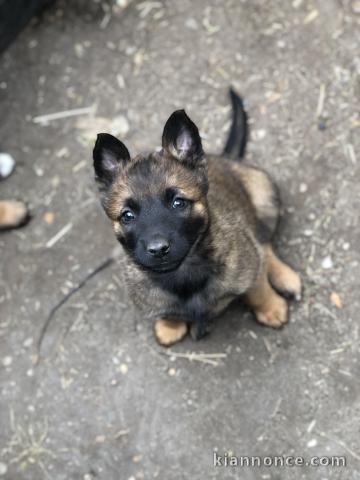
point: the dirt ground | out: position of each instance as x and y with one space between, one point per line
105 402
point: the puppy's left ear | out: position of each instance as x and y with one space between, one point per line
181 139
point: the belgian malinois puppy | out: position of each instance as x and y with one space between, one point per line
196 228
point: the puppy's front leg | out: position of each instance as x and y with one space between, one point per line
199 328
168 332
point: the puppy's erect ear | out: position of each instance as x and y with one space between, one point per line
181 139
109 154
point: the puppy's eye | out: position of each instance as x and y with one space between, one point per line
179 202
127 217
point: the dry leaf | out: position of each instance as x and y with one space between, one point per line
48 217
311 16
336 300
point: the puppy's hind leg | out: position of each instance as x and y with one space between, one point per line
283 278
269 308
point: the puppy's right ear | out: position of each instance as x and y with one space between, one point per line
109 155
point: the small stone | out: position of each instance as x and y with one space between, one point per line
303 188
346 246
7 361
100 439
312 443
33 43
3 468
111 46
7 165
130 50
322 125
28 342
259 134
172 372
122 3
120 80
327 263
137 458
88 476
308 233
38 171
124 368
191 24
55 181
79 50
139 58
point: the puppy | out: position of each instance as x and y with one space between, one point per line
196 228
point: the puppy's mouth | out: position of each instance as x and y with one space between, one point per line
165 267
161 267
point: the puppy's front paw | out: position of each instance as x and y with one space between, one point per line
274 313
168 332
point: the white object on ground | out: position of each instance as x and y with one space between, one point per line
44 119
50 243
7 164
3 468
327 263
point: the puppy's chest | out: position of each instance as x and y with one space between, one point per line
205 303
200 294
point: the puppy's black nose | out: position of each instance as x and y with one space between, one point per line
158 247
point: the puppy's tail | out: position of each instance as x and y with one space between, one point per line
239 131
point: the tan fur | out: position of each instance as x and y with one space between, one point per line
269 308
199 208
281 276
168 332
12 213
259 187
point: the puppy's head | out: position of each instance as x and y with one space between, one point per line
156 202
